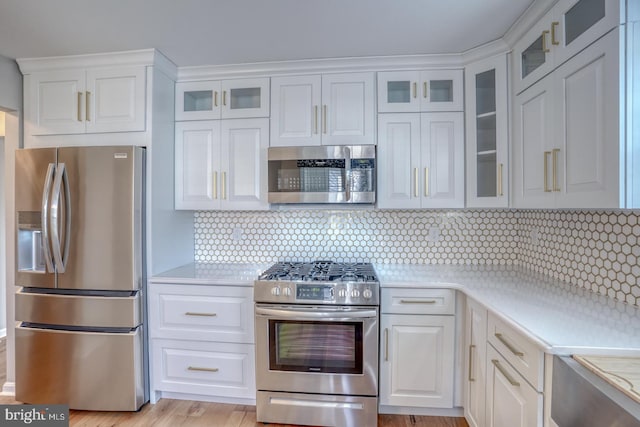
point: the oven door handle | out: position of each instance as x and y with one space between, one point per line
326 314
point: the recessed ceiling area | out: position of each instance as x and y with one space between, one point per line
214 32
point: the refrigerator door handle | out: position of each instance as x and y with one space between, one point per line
60 257
45 217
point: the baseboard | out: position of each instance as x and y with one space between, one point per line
410 410
203 398
8 389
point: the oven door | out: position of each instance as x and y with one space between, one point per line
317 349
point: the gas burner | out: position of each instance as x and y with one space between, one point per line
320 271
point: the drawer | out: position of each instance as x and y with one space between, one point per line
208 313
518 350
418 301
211 369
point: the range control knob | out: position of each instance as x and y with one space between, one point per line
286 292
275 291
355 293
367 294
342 293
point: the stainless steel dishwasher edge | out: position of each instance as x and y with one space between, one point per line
581 398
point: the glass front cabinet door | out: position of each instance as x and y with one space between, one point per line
416 91
487 133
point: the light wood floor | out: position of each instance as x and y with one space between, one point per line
185 413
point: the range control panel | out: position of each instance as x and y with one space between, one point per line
317 293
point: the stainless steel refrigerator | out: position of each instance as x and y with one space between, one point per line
80 305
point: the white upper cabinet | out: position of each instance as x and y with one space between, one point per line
222 99
487 133
415 91
421 160
93 100
221 164
568 28
328 109
566 133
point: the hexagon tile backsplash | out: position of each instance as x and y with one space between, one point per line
596 250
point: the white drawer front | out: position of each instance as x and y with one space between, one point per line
519 351
211 313
212 369
418 301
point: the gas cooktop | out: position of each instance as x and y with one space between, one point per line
321 271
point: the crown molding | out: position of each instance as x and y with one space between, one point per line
143 57
524 23
494 48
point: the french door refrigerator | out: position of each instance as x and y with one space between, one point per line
79 305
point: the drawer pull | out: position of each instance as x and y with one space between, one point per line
418 301
386 344
192 313
197 368
509 378
507 344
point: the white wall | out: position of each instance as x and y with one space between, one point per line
3 263
11 103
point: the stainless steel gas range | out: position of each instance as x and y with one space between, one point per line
317 344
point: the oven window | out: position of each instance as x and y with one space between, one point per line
308 346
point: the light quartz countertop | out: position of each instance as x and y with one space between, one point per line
560 318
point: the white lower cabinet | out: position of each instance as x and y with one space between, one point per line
511 401
417 350
202 342
476 374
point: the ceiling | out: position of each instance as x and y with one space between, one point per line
213 32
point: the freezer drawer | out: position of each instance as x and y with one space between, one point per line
86 370
76 310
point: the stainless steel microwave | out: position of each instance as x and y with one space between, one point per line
322 174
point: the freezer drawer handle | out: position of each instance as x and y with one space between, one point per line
60 257
45 217
192 313
418 301
197 368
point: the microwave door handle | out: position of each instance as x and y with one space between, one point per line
60 260
347 172
45 217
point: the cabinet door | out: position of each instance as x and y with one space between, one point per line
198 100
487 133
197 165
243 182
587 139
115 99
416 367
398 92
56 102
295 111
511 401
244 98
347 107
578 23
533 120
441 90
398 161
442 152
475 379
533 54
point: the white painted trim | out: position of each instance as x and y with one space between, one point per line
314 66
3 332
8 389
144 57
432 412
202 398
537 9
494 48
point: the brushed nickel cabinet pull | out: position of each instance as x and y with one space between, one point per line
197 368
471 347
554 166
424 90
426 182
87 115
418 301
215 98
554 25
546 172
215 185
193 313
386 344
79 106
324 119
545 49
415 182
224 185
315 119
507 344
415 89
224 98
509 378
500 192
